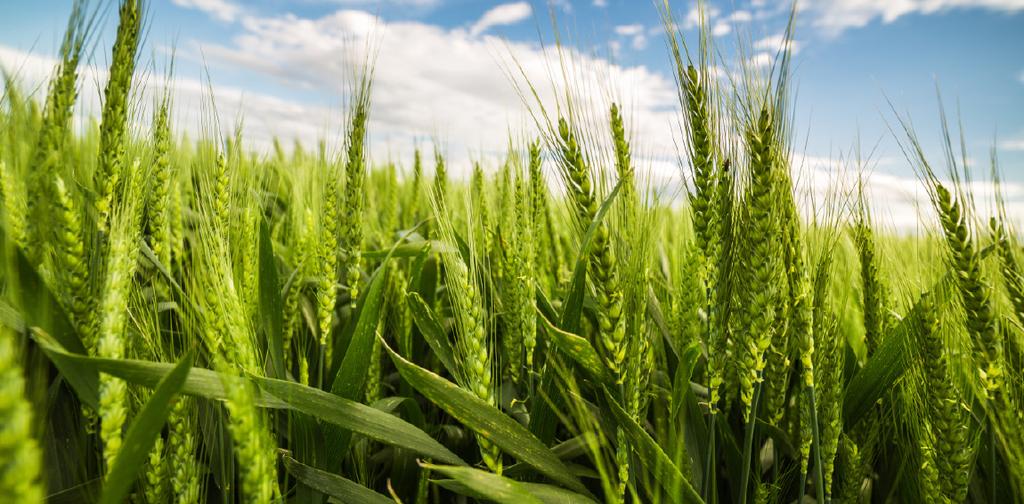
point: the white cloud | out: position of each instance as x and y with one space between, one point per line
774 43
899 203
505 14
629 30
761 60
446 82
432 81
693 16
639 42
265 116
1013 144
721 29
616 48
600 3
740 16
637 34
835 16
405 3
224 10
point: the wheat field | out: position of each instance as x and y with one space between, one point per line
193 320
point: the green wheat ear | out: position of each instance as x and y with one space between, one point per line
15 215
327 259
21 470
948 418
158 215
113 126
120 266
355 177
55 128
974 290
760 257
875 292
473 343
181 445
72 256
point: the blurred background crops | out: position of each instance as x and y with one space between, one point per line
195 321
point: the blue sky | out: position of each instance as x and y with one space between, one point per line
442 66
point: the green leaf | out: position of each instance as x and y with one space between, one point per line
487 421
491 487
11 318
38 308
573 308
411 249
483 485
549 494
578 349
345 490
200 382
143 433
84 380
681 385
432 331
568 449
658 316
277 394
779 436
148 253
357 417
351 377
652 456
271 305
889 361
87 491
886 365
544 304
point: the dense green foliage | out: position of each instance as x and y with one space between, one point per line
547 331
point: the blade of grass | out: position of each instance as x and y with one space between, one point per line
432 331
358 418
271 305
486 420
652 456
143 433
345 490
278 394
351 377
578 349
494 488
573 307
483 485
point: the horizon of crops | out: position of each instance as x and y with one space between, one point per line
190 321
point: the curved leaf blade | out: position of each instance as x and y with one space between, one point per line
432 331
487 421
578 349
652 456
143 433
483 485
271 305
496 488
277 394
359 418
345 490
573 309
351 377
